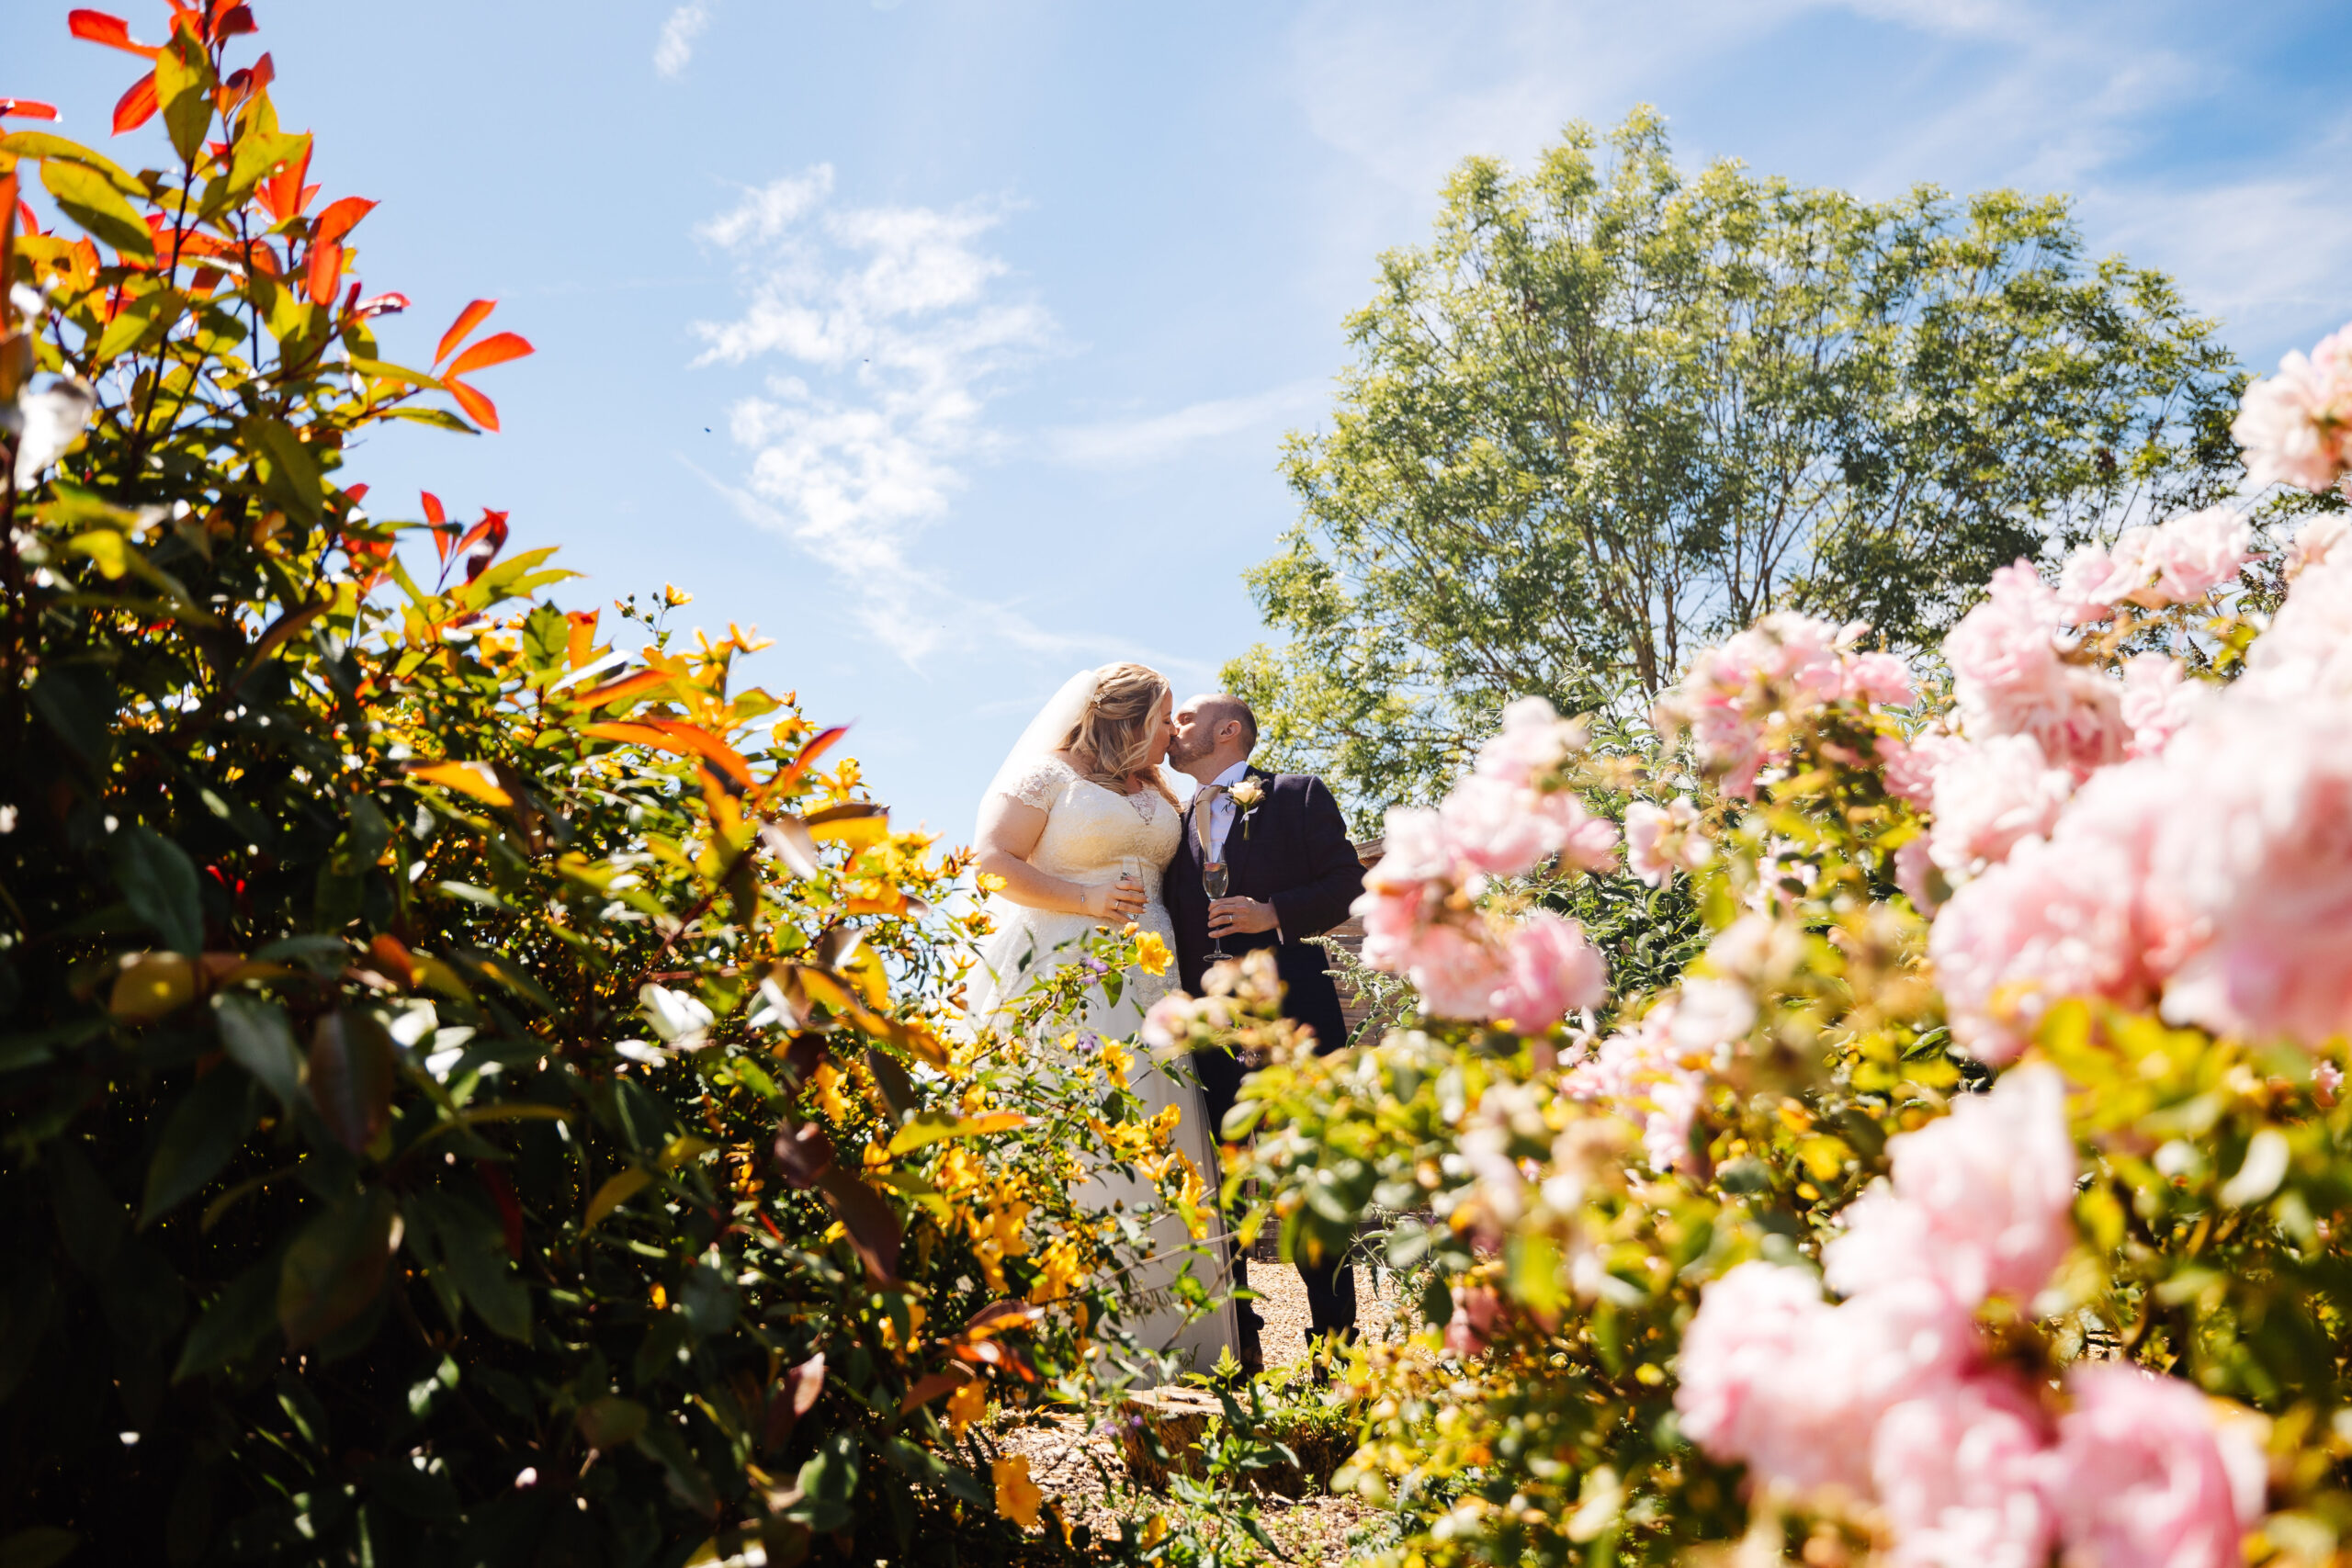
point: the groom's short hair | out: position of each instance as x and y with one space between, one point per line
1224 705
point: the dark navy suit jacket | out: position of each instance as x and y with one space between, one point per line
1292 853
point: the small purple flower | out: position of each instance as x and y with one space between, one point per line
1095 966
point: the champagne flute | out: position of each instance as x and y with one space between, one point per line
1216 877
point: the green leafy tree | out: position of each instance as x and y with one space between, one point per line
1611 411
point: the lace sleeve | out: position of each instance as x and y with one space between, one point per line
1039 783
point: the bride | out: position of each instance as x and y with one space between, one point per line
1079 823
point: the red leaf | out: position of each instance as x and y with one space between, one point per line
26 223
381 305
137 107
818 746
340 219
26 109
282 192
502 1192
803 1153
481 409
490 351
581 642
434 512
326 273
468 320
97 27
357 493
492 528
236 19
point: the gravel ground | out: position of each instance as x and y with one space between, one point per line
1067 1459
1282 1302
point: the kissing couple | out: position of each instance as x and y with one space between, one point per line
1084 831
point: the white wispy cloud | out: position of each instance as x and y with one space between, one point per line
2080 100
890 328
678 34
1160 438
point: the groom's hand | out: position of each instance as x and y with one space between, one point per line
1232 916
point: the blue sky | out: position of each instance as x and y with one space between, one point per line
951 344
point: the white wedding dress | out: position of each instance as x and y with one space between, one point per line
1095 835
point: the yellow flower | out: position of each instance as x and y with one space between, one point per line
1061 1268
1151 953
1016 1496
966 1405
1115 1062
829 1099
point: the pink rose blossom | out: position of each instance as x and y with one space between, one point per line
1490 827
2143 1477
1454 971
2307 652
2316 543
1553 971
1786 664
2193 554
2174 562
1989 795
1586 842
2158 701
2326 1079
1957 1471
2068 916
1533 740
1647 1077
1980 1202
1659 841
2255 863
1908 767
2010 677
1475 1309
2296 426
1771 1375
1914 873
1879 678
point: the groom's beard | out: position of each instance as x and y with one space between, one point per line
1182 751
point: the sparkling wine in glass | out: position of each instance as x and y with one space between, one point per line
1214 878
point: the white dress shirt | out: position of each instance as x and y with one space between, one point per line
1222 813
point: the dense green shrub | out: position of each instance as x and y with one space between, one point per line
472 1092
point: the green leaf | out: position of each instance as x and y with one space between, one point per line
351 1077
184 83
77 703
376 369
335 1265
204 1130
236 1326
473 1249
41 145
439 419
91 200
292 474
159 883
38 1546
609 1422
259 1040
139 325
259 151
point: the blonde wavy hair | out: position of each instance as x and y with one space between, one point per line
1112 742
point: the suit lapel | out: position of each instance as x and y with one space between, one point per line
1241 844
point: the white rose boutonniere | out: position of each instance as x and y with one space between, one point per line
1247 796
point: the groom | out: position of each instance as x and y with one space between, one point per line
1292 875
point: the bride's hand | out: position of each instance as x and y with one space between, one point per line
1120 900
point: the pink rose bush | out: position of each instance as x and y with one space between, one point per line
1904 1199
1419 905
1893 1397
1738 699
